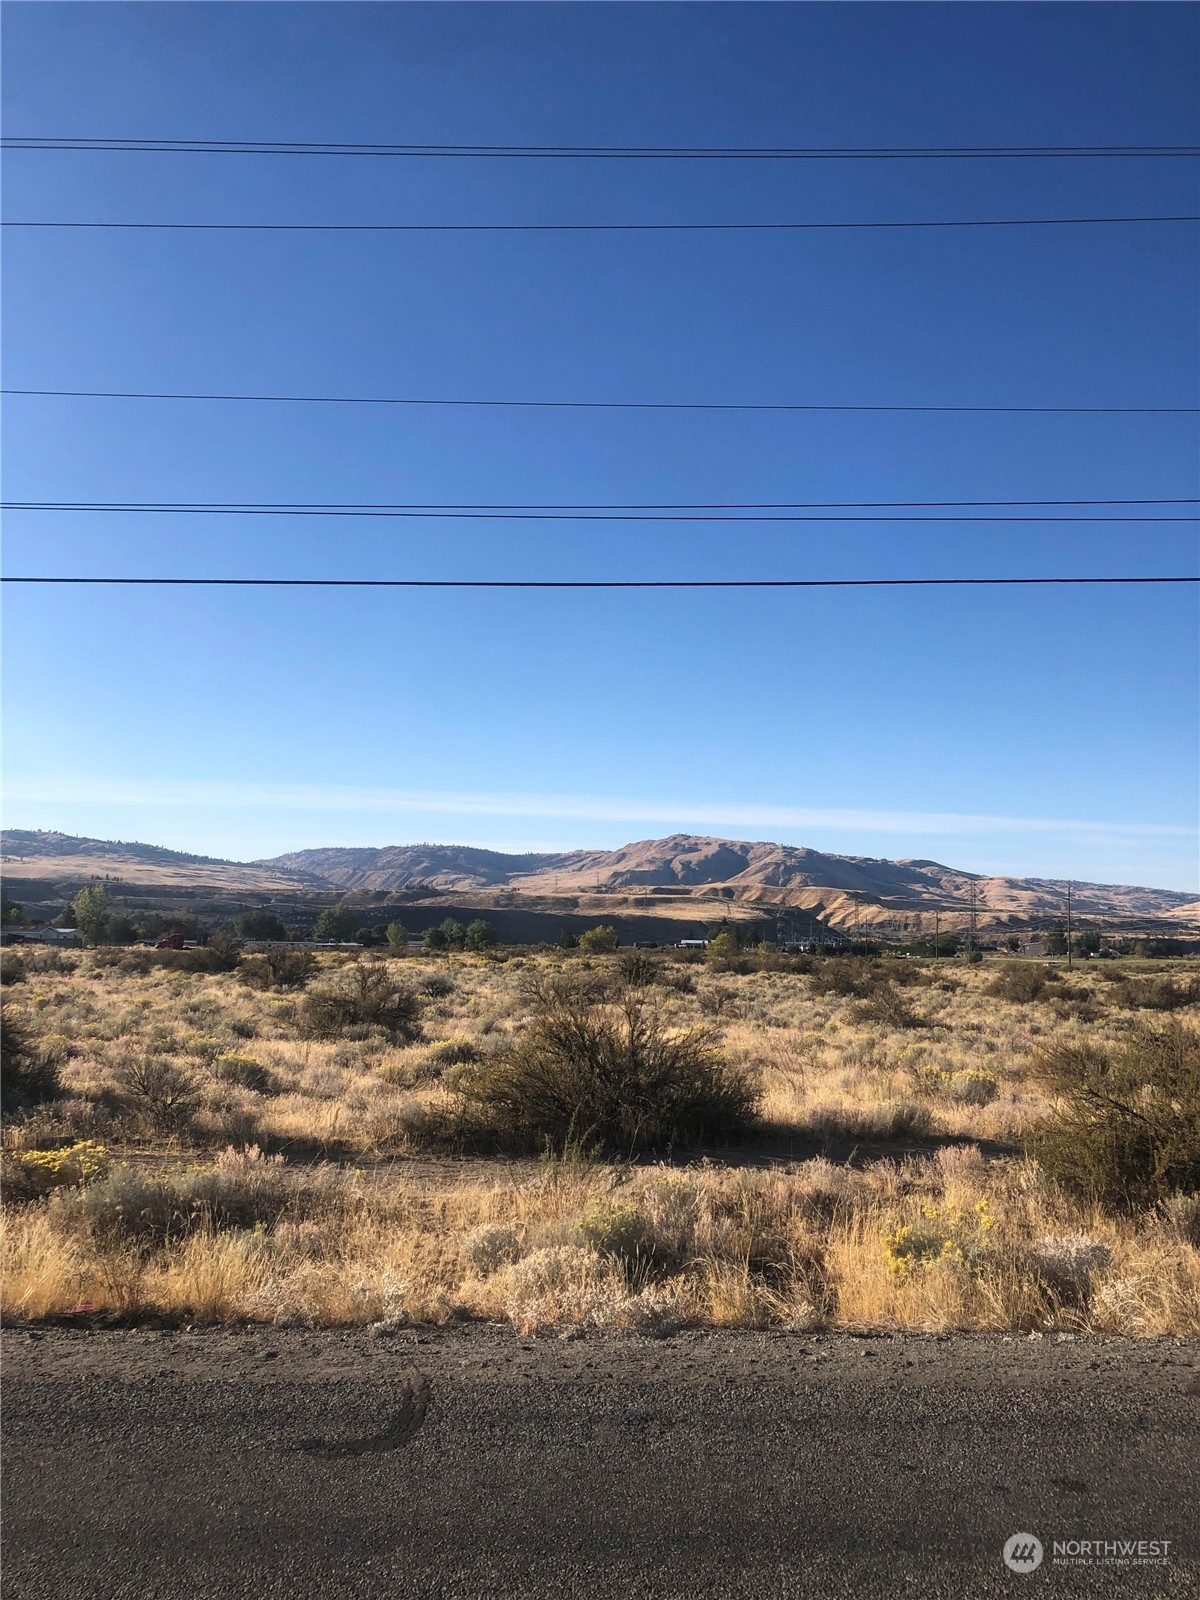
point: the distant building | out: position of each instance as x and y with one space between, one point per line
67 936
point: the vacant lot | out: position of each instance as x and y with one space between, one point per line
383 1140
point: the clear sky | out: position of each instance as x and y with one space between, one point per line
1046 732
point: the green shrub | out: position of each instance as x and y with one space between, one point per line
12 968
259 925
448 935
237 1191
723 946
28 1077
847 976
221 954
610 1076
134 962
338 923
33 1174
675 977
1021 981
480 935
598 941
243 1071
973 1088
1126 1131
888 1007
365 996
616 1229
490 1246
637 970
1155 994
946 1234
456 1052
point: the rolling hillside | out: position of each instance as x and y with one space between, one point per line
759 874
683 876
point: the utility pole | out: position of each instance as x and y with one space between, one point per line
937 929
1069 958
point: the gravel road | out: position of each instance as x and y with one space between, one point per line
467 1463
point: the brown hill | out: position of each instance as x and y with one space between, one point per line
436 866
69 859
756 876
683 876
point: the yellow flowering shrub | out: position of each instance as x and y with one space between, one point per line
947 1234
29 1174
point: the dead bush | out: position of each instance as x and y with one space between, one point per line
717 1001
637 970
1066 1264
277 969
364 996
160 1090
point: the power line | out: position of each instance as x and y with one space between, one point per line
597 405
284 147
583 227
575 505
748 513
591 583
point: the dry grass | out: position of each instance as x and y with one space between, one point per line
339 1215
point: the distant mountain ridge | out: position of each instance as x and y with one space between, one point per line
660 876
441 866
21 843
754 872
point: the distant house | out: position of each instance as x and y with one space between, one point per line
693 944
67 936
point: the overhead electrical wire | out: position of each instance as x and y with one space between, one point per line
781 511
594 583
800 511
585 227
623 505
598 405
591 152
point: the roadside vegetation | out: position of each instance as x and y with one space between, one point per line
626 1139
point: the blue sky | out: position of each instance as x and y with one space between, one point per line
1047 732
